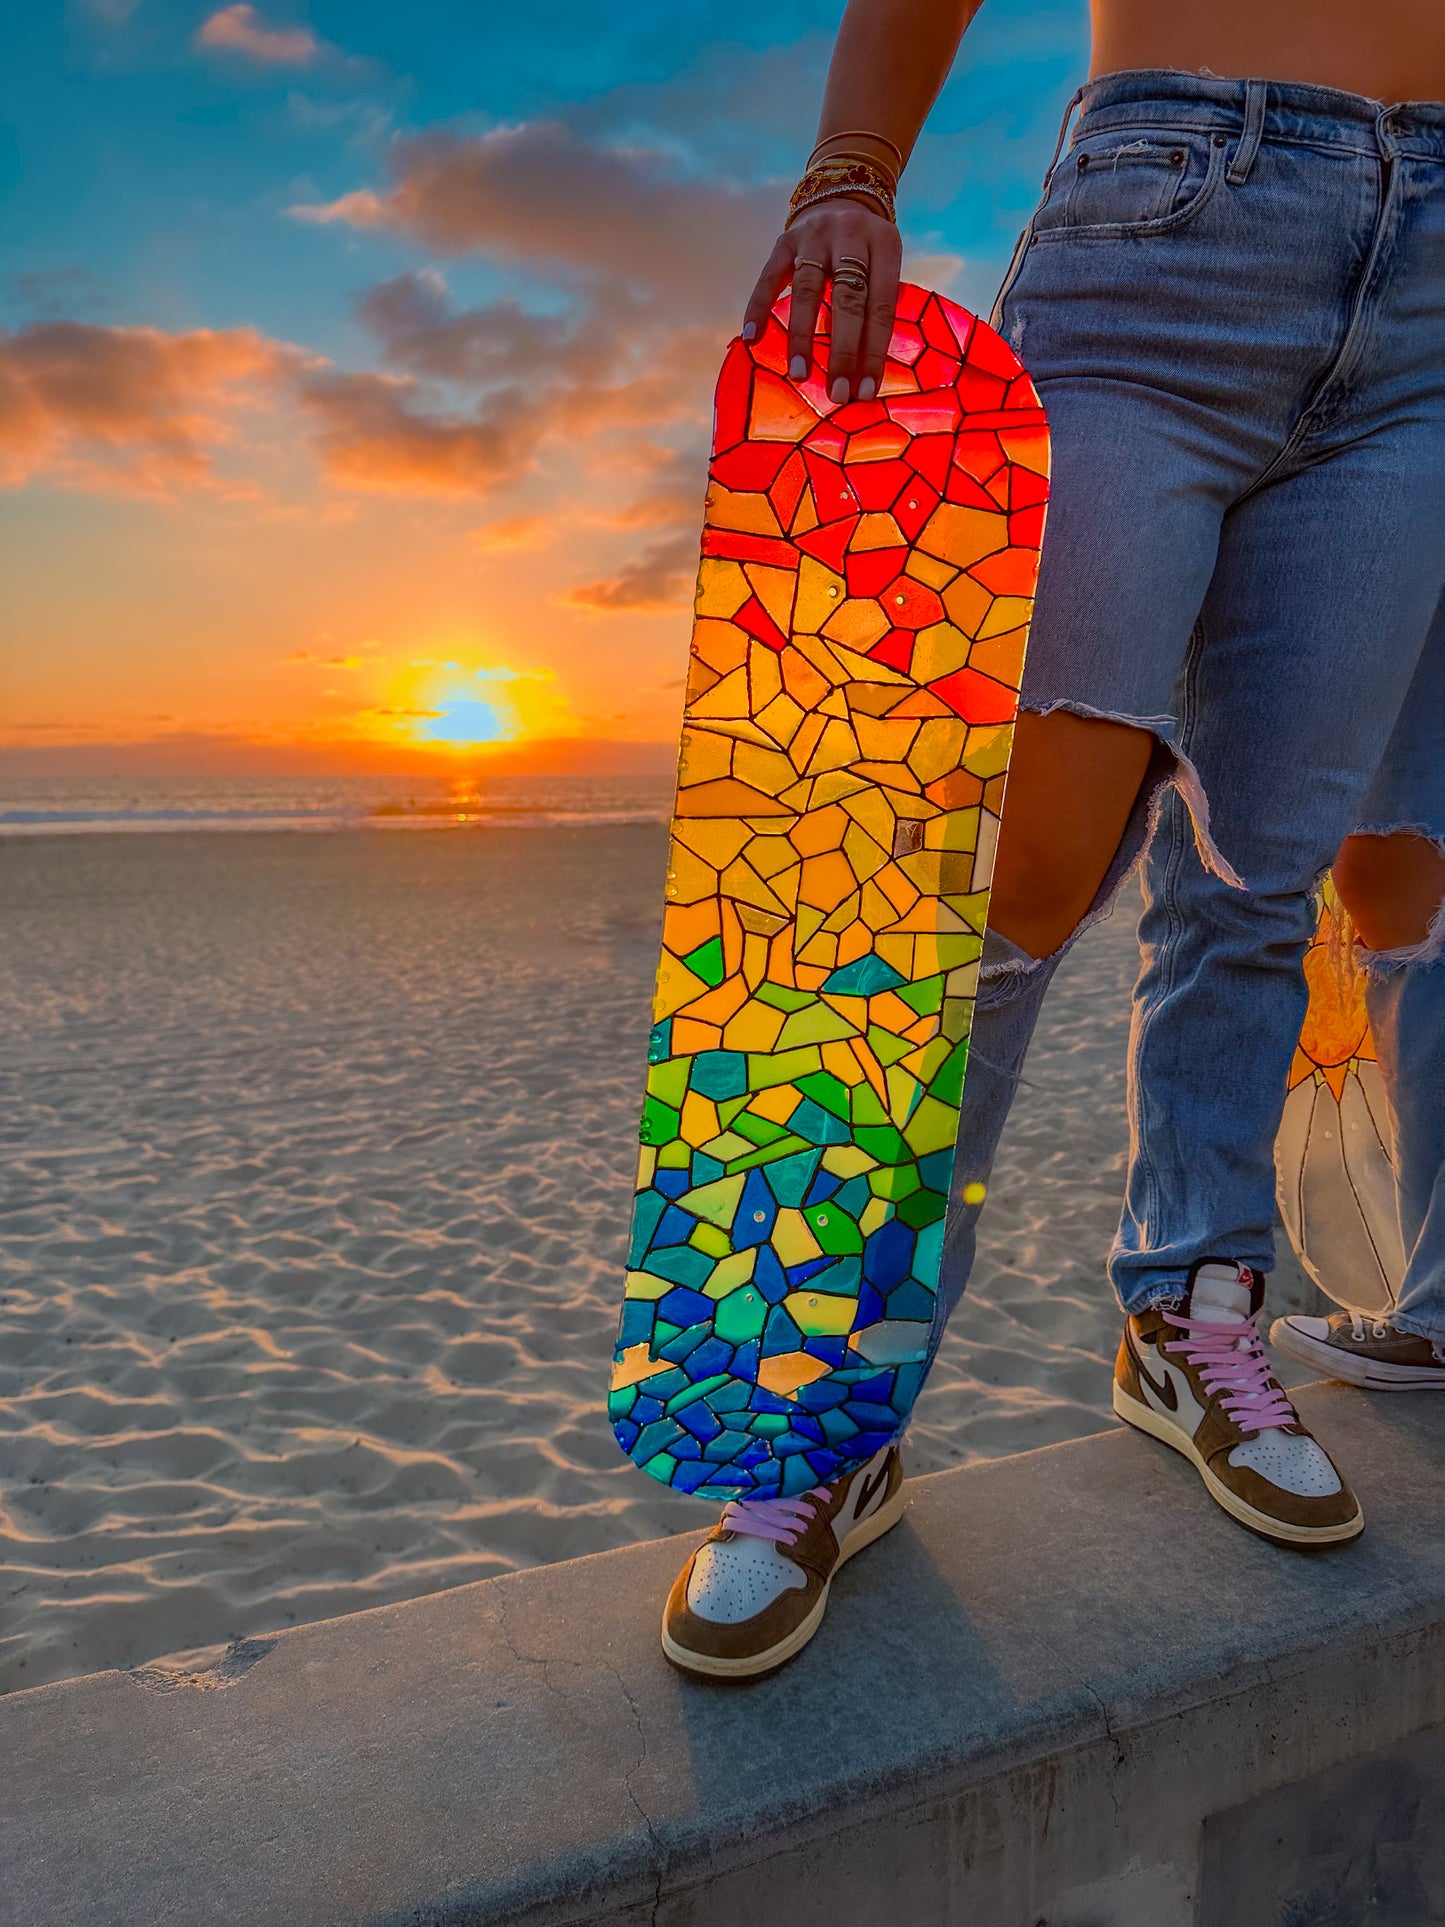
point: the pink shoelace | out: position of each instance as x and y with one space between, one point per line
1231 1358
784 1521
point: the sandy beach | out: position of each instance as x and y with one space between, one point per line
315 1164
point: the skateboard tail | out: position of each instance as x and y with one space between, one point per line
863 601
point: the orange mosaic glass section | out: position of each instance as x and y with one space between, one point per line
1335 1037
862 608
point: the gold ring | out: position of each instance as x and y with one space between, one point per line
803 262
852 261
852 279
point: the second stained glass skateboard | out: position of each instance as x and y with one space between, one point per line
862 607
1334 1176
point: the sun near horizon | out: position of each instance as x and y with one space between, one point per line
452 717
389 371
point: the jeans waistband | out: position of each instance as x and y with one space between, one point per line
1294 111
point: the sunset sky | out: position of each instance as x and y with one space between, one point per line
356 360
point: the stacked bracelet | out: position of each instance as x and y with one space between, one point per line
844 175
859 134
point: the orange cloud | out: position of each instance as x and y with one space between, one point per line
503 342
510 533
597 379
672 498
544 194
657 263
137 411
609 368
936 268
661 577
466 401
128 410
242 30
370 434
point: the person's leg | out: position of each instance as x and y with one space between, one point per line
1298 668
1392 882
1073 783
1311 634
1103 778
1395 890
1173 358
1309 639
1390 876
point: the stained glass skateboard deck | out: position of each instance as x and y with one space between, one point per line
1334 1176
862 607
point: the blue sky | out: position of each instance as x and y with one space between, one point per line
213 391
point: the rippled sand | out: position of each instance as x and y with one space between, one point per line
315 1160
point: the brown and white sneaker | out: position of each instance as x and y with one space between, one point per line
1197 1377
1362 1351
755 1591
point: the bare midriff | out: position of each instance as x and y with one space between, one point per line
1389 50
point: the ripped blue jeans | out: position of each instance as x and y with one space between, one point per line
1232 299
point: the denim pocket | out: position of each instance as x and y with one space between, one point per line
1119 185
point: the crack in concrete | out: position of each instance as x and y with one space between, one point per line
1115 1742
528 1659
537 1660
1109 1733
642 1812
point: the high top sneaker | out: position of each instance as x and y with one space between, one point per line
1197 1377
1363 1351
756 1589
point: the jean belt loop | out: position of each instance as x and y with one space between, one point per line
1074 99
1256 93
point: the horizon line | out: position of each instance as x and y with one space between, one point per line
219 753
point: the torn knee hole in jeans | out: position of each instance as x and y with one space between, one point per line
1007 972
1431 947
1003 962
1168 765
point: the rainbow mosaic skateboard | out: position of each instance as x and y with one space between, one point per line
862 607
1335 1179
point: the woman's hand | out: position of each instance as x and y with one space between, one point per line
808 254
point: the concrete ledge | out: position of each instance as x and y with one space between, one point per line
1067 1688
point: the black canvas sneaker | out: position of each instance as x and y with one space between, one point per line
1362 1351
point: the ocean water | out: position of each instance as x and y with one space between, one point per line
72 806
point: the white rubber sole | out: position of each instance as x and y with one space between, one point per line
1145 1419
750 1666
1375 1375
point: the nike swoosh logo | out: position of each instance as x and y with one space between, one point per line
871 1488
1174 1396
1165 1393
